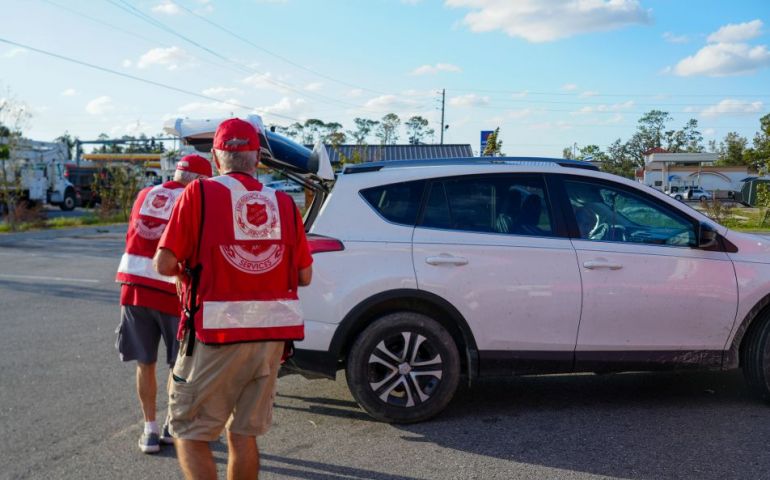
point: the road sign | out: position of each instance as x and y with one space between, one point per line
484 135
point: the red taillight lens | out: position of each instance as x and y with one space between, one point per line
321 244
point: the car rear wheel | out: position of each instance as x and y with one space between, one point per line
755 357
678 197
404 368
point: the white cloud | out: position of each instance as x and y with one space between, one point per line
469 100
724 59
389 102
673 38
221 91
615 107
70 92
569 87
735 33
167 8
731 107
709 132
100 105
14 52
264 81
286 106
172 58
133 129
209 109
437 68
314 86
726 54
588 94
127 63
545 21
520 114
355 93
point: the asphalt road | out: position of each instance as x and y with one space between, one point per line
68 408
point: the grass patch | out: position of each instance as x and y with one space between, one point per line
63 222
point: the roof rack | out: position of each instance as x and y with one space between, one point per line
376 166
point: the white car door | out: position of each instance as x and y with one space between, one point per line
488 245
649 295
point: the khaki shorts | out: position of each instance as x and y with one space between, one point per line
221 386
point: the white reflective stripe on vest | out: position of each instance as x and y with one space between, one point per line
252 314
142 267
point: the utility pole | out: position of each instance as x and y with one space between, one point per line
443 98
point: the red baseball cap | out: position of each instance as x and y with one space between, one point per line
236 135
195 164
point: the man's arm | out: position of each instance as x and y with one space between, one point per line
166 263
305 275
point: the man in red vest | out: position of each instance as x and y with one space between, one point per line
242 252
149 304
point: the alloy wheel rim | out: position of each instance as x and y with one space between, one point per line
405 369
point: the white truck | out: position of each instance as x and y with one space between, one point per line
34 172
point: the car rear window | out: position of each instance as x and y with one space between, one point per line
397 202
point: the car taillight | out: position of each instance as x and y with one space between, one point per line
321 244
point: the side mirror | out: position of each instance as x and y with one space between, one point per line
707 236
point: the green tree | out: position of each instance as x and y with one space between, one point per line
387 130
732 149
650 133
364 127
417 130
494 146
620 160
688 139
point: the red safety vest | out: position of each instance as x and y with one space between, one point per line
145 227
248 282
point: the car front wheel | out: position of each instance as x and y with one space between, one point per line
755 357
403 368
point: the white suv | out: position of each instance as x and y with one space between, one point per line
426 271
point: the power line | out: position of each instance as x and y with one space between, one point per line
273 54
139 79
645 95
130 9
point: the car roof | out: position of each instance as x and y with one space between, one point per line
442 162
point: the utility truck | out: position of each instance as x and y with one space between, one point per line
34 171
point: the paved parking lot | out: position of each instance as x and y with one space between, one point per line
68 409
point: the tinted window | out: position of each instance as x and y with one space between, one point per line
495 204
605 213
398 202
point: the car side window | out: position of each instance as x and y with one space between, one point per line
492 204
607 214
397 202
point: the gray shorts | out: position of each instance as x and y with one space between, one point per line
139 334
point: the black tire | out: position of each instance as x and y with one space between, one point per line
678 197
415 375
69 201
755 357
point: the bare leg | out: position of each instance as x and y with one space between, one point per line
242 457
196 459
147 388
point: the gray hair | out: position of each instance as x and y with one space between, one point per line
184 177
245 161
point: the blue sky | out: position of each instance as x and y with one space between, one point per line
549 73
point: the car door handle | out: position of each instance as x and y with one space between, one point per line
594 264
446 260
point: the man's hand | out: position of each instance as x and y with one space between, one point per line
166 263
305 275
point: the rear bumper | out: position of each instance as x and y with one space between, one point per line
312 364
